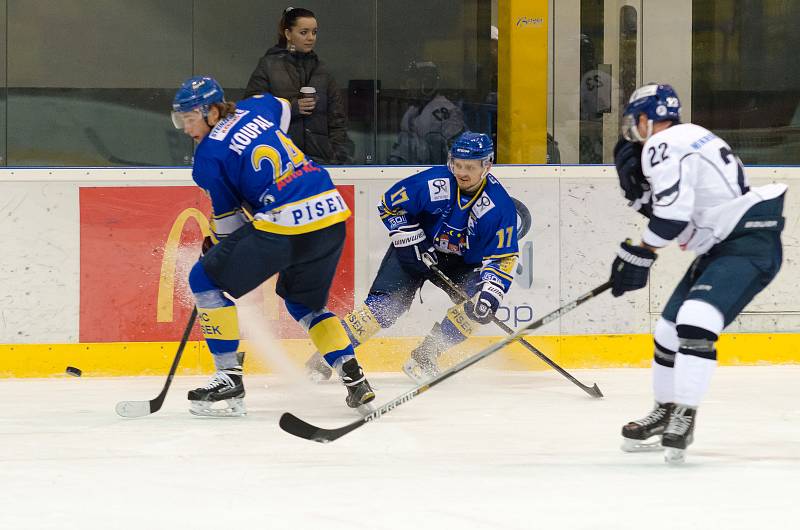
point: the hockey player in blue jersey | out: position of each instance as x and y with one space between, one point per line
693 189
459 217
274 212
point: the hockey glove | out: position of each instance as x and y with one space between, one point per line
628 160
631 268
484 304
412 244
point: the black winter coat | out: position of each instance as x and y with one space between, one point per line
322 136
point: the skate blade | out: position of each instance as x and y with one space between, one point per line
366 409
674 456
232 408
630 445
415 372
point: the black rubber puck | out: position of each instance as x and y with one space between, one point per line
71 370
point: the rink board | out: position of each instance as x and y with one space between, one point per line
96 259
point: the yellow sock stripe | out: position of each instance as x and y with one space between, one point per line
328 335
220 323
362 323
460 320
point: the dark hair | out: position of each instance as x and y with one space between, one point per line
289 20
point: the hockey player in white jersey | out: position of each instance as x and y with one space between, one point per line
693 189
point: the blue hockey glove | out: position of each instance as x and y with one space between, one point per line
412 244
484 304
631 268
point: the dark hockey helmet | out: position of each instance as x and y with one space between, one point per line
657 102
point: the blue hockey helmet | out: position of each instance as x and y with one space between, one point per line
473 146
657 102
196 93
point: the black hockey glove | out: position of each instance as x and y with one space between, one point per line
628 159
631 268
412 244
484 304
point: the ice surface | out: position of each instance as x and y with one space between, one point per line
484 450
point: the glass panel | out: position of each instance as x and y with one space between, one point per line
628 41
745 80
435 79
100 96
595 87
345 46
3 82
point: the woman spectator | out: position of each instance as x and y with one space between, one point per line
318 125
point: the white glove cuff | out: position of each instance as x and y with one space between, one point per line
402 238
494 290
627 257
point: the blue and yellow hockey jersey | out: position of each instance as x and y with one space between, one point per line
481 228
247 163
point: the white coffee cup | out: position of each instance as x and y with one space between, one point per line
308 92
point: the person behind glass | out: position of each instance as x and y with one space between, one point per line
291 70
431 122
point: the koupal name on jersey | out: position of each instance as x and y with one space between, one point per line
249 132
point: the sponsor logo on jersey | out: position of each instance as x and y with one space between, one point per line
482 205
222 129
493 278
290 176
439 189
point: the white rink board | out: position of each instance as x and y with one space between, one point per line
579 217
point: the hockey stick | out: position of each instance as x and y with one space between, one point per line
593 391
137 409
297 427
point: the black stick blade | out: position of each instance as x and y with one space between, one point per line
595 391
297 427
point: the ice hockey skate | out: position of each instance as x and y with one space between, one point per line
679 434
317 370
635 434
227 388
359 391
423 365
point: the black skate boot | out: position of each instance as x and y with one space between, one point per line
358 390
226 385
636 433
317 369
679 433
423 365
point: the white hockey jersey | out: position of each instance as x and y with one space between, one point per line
699 191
